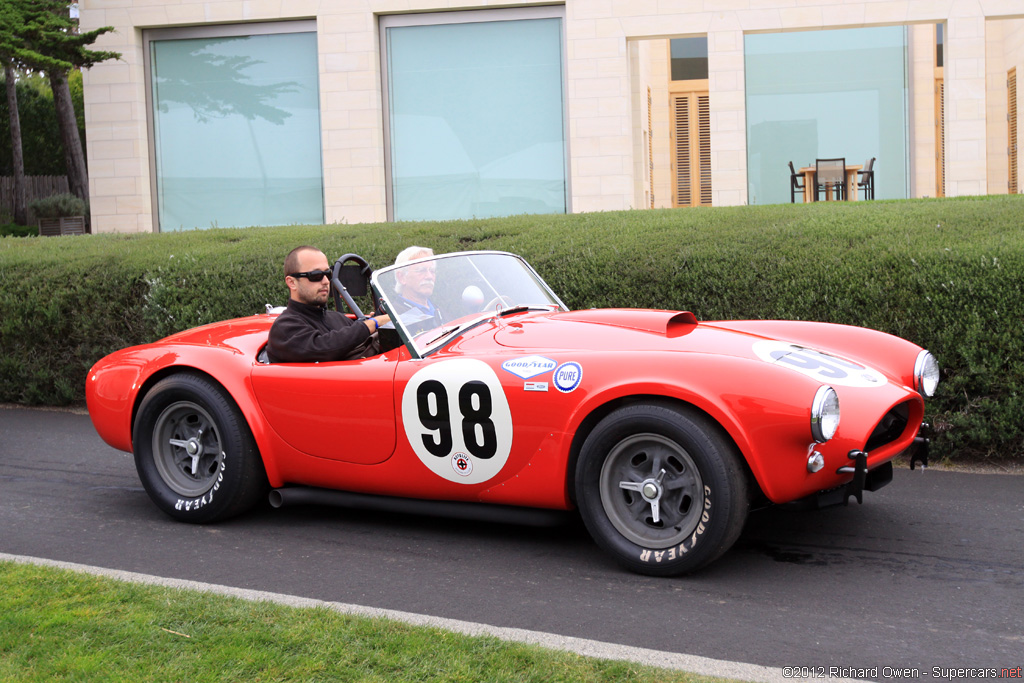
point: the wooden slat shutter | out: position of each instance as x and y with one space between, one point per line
1011 118
940 138
691 158
650 144
682 194
704 146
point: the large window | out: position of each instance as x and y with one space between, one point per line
826 94
475 114
236 126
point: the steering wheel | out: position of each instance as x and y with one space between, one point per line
500 299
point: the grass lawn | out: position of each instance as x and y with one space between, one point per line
61 625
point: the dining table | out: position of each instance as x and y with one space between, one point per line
810 191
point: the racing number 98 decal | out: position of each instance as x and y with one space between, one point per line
457 420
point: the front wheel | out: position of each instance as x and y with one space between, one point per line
661 488
194 452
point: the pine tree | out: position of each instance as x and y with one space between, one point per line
40 35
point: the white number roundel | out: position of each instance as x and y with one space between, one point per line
821 366
457 420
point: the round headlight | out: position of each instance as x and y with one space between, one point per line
926 374
825 414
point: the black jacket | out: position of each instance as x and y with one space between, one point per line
305 333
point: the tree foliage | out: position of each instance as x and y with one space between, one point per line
40 35
40 137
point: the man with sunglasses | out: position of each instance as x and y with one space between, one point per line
306 331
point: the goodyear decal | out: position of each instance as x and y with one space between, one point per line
529 366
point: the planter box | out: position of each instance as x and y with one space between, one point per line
66 225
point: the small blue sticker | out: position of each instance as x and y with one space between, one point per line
529 366
568 377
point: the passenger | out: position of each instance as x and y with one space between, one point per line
306 331
414 286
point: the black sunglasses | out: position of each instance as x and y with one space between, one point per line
312 275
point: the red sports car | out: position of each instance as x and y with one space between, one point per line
491 397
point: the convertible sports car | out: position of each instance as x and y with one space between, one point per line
492 397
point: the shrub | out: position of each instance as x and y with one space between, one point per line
944 273
15 230
58 206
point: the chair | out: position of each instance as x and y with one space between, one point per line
795 183
867 179
829 175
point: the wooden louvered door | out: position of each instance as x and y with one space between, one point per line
940 138
1011 120
691 149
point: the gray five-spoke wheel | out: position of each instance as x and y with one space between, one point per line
651 490
187 448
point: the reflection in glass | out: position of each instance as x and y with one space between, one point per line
237 131
689 58
826 94
476 119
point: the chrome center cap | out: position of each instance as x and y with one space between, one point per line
192 447
650 490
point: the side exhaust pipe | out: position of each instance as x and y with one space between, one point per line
475 512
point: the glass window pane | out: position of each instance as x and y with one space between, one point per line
476 119
237 131
689 58
825 94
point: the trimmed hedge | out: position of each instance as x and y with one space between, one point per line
944 273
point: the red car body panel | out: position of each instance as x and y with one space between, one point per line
341 425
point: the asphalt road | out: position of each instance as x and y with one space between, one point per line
928 573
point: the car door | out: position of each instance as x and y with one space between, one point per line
341 410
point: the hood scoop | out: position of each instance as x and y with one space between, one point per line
670 324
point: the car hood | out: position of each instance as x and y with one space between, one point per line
641 330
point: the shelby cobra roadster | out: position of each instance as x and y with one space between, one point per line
662 431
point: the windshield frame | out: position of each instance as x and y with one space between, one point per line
445 334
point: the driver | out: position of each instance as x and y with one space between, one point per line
414 286
306 331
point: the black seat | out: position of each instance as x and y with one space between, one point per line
867 179
830 175
796 182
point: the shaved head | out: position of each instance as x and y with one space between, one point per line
291 261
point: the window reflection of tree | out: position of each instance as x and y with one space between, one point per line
183 79
215 86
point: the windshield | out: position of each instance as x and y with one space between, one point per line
432 300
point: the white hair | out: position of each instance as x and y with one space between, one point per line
410 254
413 252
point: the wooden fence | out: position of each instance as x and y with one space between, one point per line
36 187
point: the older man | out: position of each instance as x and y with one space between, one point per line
415 285
306 331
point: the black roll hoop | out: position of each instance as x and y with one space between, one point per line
349 280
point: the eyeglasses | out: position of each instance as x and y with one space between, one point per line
312 275
422 270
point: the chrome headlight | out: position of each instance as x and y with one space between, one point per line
824 414
926 374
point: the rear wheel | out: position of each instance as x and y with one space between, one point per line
661 488
194 452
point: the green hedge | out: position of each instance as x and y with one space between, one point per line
944 273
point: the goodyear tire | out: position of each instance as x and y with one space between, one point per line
194 452
661 488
